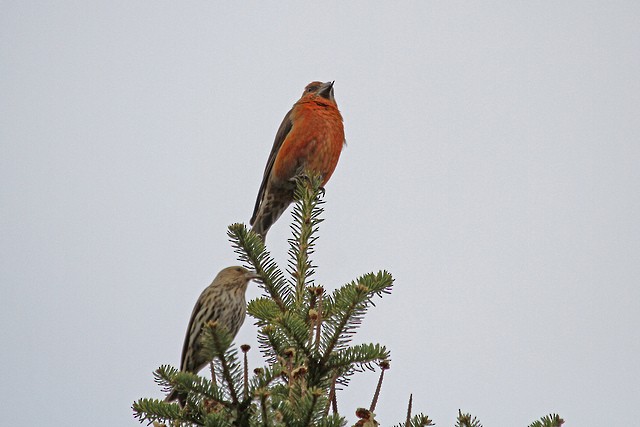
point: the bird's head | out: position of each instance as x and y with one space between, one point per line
319 89
236 277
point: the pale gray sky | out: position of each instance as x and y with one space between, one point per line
493 166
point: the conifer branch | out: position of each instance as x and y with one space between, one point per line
319 292
306 217
226 374
305 336
465 420
551 420
384 365
314 401
358 357
272 342
215 344
409 407
194 385
251 251
332 395
154 410
212 371
265 310
334 401
245 378
164 377
339 328
266 377
347 308
295 329
186 383
419 420
263 407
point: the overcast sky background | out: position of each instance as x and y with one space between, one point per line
492 166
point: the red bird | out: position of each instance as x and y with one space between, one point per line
310 137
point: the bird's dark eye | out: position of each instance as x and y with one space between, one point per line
312 89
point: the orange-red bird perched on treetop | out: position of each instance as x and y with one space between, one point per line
310 137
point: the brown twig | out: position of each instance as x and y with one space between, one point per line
334 401
319 293
384 365
408 422
213 375
332 396
245 349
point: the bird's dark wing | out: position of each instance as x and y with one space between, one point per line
185 347
283 131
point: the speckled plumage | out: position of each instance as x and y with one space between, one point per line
222 301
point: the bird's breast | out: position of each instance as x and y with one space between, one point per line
314 142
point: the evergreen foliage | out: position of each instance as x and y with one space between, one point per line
465 420
551 420
305 335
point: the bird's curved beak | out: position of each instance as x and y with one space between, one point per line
326 90
252 275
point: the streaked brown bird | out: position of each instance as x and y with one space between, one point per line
222 301
310 137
